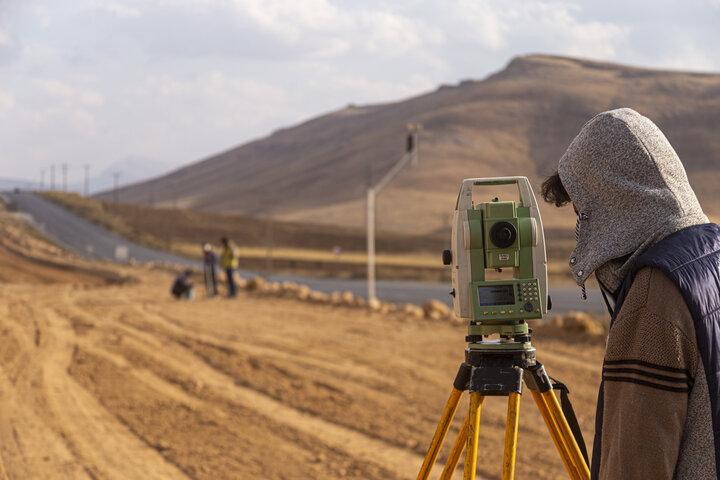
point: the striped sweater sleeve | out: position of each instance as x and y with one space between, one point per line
648 372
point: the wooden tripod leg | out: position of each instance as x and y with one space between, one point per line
511 430
440 433
561 435
476 401
457 449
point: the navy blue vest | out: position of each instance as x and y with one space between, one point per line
691 259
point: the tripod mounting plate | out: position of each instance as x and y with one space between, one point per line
516 358
498 372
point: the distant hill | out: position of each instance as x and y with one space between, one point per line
130 169
518 121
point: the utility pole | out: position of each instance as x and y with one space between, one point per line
64 174
87 180
42 179
52 177
410 154
116 178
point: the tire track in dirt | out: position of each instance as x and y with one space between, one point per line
352 371
211 439
352 443
251 388
222 356
77 429
134 350
332 392
32 448
96 437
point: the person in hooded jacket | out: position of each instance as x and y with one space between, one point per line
640 229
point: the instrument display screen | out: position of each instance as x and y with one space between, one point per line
496 295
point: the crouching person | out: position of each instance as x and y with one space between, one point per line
181 287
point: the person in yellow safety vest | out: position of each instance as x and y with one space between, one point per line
229 262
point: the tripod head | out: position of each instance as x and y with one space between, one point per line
498 236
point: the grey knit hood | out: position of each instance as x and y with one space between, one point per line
630 188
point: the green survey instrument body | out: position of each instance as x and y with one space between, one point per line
503 236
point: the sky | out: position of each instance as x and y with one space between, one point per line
92 82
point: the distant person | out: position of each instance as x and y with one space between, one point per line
209 263
641 230
181 287
229 262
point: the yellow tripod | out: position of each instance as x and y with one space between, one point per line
500 373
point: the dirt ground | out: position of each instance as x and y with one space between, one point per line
108 379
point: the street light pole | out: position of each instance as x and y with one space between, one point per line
410 154
371 244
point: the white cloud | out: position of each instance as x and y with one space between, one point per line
54 88
294 18
118 9
5 40
387 34
178 80
483 23
333 47
552 26
216 100
688 56
557 23
70 121
215 84
273 29
42 14
81 120
347 88
7 101
72 95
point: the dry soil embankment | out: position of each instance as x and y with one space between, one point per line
118 380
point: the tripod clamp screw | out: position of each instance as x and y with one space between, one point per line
538 380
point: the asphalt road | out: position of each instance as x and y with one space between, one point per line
84 238
80 236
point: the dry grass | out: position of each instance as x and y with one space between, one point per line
418 259
99 214
408 258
